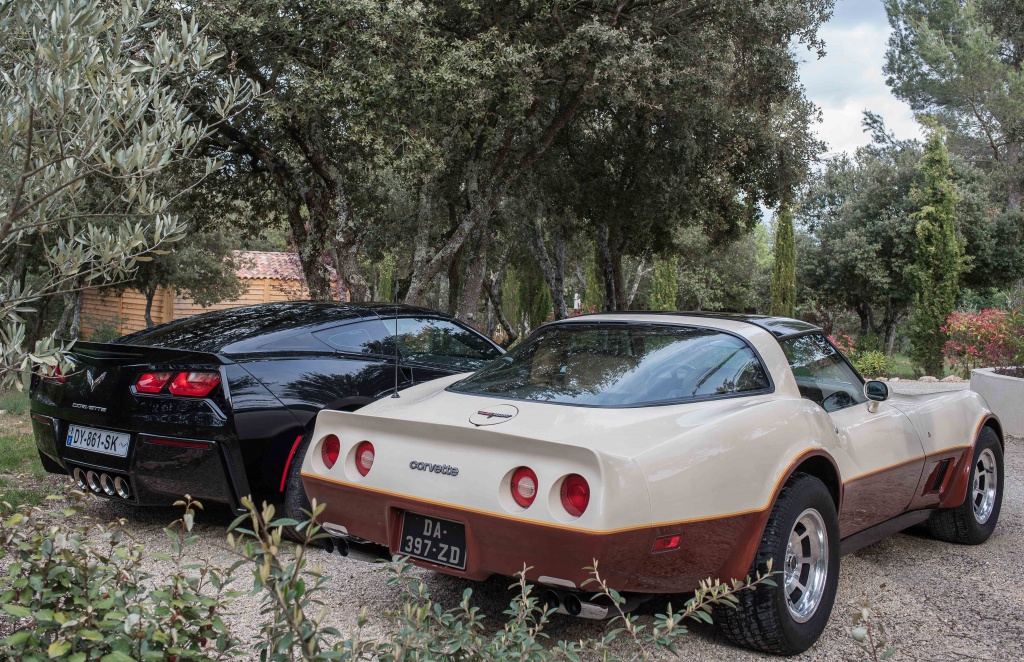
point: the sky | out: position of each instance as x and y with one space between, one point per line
849 79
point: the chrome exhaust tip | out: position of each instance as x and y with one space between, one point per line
573 605
550 600
121 488
93 481
79 477
107 483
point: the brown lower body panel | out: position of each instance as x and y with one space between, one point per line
495 545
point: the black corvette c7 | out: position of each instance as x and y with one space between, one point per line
218 405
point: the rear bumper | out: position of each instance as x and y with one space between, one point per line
159 470
555 555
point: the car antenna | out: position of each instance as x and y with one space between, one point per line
395 394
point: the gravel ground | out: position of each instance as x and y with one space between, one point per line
937 601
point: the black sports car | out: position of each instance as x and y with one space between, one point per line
219 405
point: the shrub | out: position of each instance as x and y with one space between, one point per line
844 343
873 363
978 340
78 591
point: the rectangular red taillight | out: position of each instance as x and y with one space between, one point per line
152 382
194 384
666 543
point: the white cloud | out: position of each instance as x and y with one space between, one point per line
849 79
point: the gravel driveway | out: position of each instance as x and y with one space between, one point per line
937 601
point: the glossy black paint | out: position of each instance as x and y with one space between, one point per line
275 377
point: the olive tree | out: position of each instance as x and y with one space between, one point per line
93 125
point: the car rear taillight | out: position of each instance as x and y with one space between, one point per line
364 457
524 486
152 382
194 384
54 375
575 494
330 449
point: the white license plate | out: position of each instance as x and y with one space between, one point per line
98 441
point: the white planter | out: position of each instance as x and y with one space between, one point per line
1005 397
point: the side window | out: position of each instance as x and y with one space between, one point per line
821 373
441 342
369 337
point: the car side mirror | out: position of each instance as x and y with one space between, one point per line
876 392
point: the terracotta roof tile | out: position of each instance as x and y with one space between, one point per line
271 265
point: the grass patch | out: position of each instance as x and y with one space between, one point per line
14 402
905 368
21 474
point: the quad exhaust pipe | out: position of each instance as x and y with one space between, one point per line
100 482
579 606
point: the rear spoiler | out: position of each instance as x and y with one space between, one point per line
96 353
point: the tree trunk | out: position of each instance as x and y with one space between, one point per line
552 264
493 290
150 295
71 318
472 285
426 267
611 298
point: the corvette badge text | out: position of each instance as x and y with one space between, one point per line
445 469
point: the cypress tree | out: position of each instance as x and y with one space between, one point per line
938 255
783 285
664 284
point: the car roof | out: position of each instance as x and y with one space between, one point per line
780 327
240 329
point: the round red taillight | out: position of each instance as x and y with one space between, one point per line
575 494
364 457
330 449
524 486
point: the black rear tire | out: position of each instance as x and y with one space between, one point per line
763 619
961 525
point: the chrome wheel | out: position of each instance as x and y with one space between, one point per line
806 566
986 483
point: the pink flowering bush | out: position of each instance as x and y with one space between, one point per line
978 340
844 343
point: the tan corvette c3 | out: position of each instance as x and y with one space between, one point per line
670 448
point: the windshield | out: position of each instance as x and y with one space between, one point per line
617 365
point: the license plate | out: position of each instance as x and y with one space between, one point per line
98 441
436 540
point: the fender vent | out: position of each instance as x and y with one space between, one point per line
940 474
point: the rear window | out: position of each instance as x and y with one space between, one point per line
621 365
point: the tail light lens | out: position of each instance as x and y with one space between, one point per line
330 449
364 457
524 486
575 494
195 384
54 375
152 382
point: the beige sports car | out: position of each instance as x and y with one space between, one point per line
670 448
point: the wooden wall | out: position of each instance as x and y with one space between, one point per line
128 310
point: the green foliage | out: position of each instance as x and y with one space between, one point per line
77 591
664 284
93 121
783 286
873 363
14 402
959 62
869 633
938 256
103 330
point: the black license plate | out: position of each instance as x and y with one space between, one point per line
440 541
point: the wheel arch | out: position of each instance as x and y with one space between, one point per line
992 421
821 466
